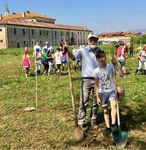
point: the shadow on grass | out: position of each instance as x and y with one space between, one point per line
136 141
76 78
132 118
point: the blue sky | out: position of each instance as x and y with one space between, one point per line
97 15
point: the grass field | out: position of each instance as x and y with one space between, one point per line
50 125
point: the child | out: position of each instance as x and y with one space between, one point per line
58 59
50 62
121 56
105 89
64 60
26 61
37 56
44 57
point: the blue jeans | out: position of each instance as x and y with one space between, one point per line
86 88
38 65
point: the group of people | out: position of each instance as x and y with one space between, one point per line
45 56
98 80
122 52
50 59
97 77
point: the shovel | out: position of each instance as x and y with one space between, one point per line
120 137
77 132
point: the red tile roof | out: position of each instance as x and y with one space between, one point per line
111 34
27 15
42 24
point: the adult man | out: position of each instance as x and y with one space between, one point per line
36 47
89 63
45 47
48 47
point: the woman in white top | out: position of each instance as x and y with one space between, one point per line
141 60
58 60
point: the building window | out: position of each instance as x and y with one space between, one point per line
1 41
0 30
49 32
32 32
55 33
23 31
46 33
24 43
40 32
15 31
61 33
40 42
72 33
18 46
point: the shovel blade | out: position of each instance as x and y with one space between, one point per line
120 138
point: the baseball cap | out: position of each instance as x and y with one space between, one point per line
92 34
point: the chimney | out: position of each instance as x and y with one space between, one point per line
23 14
85 28
1 16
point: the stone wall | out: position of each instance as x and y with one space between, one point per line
20 36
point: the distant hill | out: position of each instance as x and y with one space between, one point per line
139 30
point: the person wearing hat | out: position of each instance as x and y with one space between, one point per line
58 60
89 63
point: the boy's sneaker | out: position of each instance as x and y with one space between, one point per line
107 132
114 128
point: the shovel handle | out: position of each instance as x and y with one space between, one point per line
71 89
118 114
71 92
36 88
